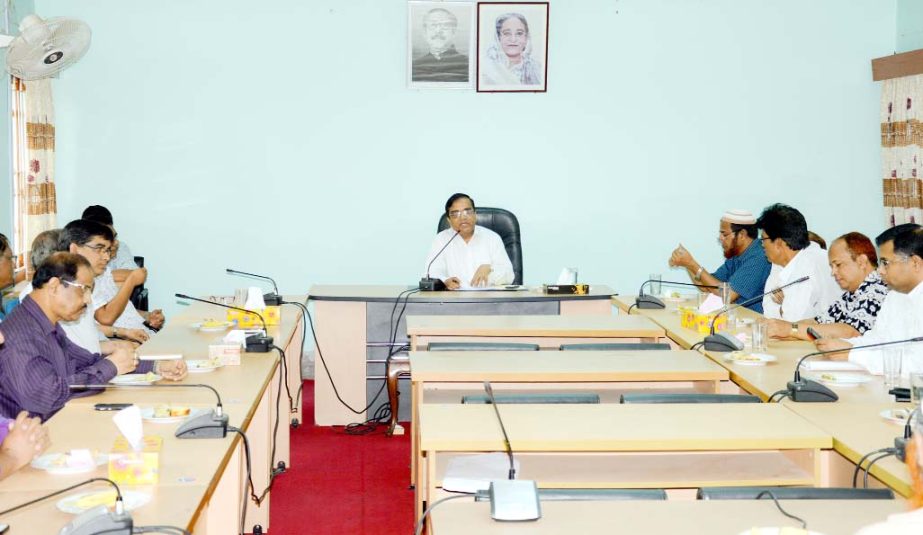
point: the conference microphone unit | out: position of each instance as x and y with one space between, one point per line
213 424
511 500
271 299
94 521
900 443
723 342
428 284
651 302
808 391
255 343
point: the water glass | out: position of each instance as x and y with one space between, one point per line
655 283
916 387
893 358
759 337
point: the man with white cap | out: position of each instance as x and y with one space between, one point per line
745 267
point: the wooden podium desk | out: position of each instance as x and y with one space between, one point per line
724 517
445 376
628 446
353 325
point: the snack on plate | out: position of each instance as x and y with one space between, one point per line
89 501
746 358
167 411
828 377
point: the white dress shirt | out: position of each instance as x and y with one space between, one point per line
82 331
105 290
461 259
900 317
910 523
807 299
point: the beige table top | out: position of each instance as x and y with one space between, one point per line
368 292
732 517
589 326
609 427
563 366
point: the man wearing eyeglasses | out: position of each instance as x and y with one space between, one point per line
474 256
900 263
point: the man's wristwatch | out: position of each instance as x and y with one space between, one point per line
795 329
698 273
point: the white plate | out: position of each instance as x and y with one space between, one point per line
841 379
147 413
131 498
48 463
200 326
778 531
202 366
896 416
135 379
750 359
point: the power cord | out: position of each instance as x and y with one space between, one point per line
697 345
804 525
782 395
855 473
868 467
422 521
304 337
634 305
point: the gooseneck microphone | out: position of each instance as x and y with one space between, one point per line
92 521
650 302
213 424
722 342
506 439
808 391
255 343
428 284
271 299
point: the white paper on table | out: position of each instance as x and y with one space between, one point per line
471 473
831 366
80 458
165 356
711 304
239 336
254 299
128 420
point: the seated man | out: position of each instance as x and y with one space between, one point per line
478 258
900 253
38 361
745 267
44 244
855 267
21 441
793 256
123 262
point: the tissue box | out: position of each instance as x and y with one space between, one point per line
246 320
130 467
566 289
691 318
227 354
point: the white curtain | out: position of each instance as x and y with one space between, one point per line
902 149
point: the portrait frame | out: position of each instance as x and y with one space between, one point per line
435 64
504 63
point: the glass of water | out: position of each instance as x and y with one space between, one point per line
759 336
916 387
655 283
893 358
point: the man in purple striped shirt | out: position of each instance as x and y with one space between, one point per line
38 362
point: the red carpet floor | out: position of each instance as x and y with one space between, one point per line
342 484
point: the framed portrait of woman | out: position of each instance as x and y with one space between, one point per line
512 50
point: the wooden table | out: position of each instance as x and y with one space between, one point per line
353 324
549 332
445 376
730 517
202 482
628 446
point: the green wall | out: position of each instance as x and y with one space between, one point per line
909 25
279 136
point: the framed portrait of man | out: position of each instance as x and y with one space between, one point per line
512 50
440 44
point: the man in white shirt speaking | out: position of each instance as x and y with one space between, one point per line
900 262
785 240
466 255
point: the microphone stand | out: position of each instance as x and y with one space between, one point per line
271 299
428 284
650 302
213 424
255 343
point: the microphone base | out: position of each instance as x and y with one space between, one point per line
514 500
272 299
258 343
900 446
431 285
807 391
722 343
99 520
207 425
649 302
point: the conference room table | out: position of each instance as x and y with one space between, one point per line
724 517
359 326
203 483
627 446
854 421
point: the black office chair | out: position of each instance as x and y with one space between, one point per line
688 398
642 346
139 294
793 493
504 223
480 346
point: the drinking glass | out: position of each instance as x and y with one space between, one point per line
655 283
916 387
759 338
893 358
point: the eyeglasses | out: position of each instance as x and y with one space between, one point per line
884 262
467 212
87 290
100 249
